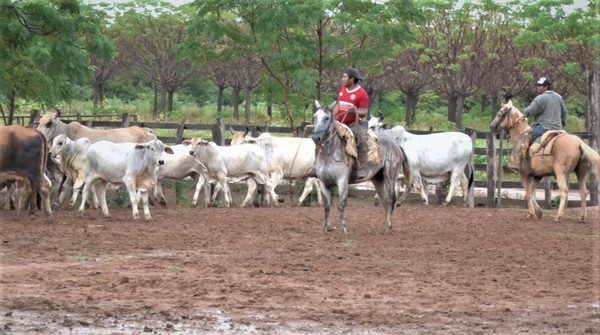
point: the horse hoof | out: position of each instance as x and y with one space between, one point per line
539 214
557 219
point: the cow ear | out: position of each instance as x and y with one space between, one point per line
169 150
139 146
206 143
186 142
251 141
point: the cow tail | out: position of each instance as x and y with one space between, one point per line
406 170
471 170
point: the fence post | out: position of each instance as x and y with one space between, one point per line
34 117
179 133
491 168
471 191
125 120
498 170
78 118
593 179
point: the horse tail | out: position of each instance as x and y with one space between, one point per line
592 156
470 170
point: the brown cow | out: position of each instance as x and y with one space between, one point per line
23 154
51 126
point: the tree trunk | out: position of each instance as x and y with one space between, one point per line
270 105
11 106
220 99
96 96
452 108
155 101
247 104
170 102
236 103
460 107
495 106
484 103
411 106
163 100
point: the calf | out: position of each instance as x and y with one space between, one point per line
179 166
289 158
23 155
71 158
135 165
238 161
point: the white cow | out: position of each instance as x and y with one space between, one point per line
289 158
179 166
434 158
238 161
71 158
133 164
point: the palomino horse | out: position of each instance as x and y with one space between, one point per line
335 167
568 154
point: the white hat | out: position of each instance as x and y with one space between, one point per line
543 81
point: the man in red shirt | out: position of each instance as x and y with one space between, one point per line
352 105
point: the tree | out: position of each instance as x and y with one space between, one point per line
296 43
44 50
152 35
574 36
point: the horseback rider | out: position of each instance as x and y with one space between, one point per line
549 112
352 105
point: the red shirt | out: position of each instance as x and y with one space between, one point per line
357 97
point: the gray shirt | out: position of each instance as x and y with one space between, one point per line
549 110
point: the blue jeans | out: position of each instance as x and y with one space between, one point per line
538 130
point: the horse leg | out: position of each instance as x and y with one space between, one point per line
563 187
526 181
533 184
387 194
326 205
583 192
343 197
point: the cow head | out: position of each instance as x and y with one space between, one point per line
50 125
154 151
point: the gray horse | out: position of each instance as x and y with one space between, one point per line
334 167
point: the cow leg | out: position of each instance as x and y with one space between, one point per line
453 182
222 180
144 196
464 185
201 182
269 187
46 192
251 194
100 191
422 187
309 184
66 186
158 194
76 188
134 196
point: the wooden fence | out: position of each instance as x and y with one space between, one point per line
495 149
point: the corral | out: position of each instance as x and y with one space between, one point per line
442 270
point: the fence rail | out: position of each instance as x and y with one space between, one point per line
496 148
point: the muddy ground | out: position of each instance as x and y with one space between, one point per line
441 270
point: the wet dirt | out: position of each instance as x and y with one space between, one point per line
441 270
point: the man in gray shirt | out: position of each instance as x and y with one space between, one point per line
549 113
547 109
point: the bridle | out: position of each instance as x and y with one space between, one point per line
513 123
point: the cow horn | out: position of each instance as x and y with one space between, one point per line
247 130
231 130
381 114
57 111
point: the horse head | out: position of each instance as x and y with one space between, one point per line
323 120
501 121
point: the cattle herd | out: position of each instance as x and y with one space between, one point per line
86 160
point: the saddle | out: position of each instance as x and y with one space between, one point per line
374 152
543 145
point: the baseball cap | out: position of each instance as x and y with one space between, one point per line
543 81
